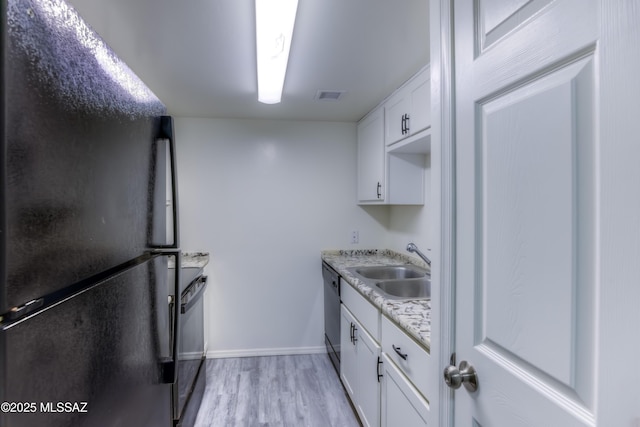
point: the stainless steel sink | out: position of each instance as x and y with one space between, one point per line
396 282
406 289
390 272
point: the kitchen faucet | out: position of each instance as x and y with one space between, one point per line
411 247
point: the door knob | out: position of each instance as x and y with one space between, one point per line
466 374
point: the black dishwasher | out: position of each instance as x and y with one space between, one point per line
332 314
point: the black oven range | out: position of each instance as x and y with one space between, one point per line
189 388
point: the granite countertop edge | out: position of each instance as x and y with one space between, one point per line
191 260
413 316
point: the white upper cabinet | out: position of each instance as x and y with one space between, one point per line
408 110
371 158
396 110
394 141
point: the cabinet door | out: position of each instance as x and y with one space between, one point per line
371 152
401 404
396 110
420 93
368 389
348 354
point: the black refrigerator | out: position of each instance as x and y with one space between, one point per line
87 151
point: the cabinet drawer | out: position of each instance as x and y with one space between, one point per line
414 362
367 314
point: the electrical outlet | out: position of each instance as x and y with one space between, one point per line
355 236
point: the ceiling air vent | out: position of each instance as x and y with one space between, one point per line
329 95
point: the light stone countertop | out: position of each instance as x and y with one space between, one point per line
413 316
191 260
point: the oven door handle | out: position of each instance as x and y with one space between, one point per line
190 299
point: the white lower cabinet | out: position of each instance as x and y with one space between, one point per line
348 353
359 368
383 370
402 404
368 380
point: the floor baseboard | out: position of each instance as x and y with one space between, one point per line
253 352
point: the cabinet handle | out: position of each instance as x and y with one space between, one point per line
351 333
378 369
402 124
379 190
397 350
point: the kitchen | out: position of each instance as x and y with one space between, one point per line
238 200
239 203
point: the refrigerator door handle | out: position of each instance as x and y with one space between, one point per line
166 133
21 311
169 365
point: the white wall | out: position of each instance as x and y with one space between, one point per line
264 198
413 223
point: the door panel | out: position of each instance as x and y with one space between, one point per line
536 243
526 197
557 33
497 18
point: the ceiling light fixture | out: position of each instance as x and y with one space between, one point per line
274 28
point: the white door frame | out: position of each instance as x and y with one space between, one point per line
443 191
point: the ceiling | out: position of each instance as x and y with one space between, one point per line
198 56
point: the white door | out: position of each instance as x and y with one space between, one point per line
547 167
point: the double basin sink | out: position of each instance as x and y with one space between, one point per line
397 282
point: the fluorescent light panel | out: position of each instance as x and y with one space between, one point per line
274 28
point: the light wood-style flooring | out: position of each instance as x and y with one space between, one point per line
296 391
